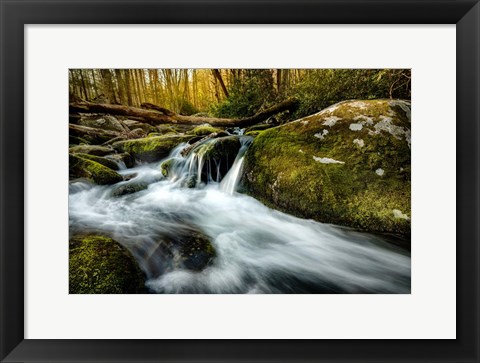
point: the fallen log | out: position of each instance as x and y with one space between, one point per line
156 115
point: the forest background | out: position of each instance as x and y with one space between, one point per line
236 93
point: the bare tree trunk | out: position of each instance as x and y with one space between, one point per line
85 92
126 77
95 88
218 76
108 87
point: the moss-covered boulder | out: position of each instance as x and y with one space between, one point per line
109 163
348 164
100 265
204 130
92 170
91 150
150 149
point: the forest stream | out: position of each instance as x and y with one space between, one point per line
257 249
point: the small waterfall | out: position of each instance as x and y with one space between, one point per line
230 182
192 167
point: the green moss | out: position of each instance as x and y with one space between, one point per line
150 149
281 171
98 173
253 133
100 265
101 160
205 130
259 127
165 166
166 129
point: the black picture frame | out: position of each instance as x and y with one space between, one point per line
15 14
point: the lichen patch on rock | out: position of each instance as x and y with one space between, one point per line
327 160
356 127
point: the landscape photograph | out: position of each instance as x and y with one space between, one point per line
239 181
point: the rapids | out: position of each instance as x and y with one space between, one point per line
258 249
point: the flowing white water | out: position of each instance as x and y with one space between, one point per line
258 250
230 182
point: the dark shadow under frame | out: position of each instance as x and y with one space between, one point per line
15 14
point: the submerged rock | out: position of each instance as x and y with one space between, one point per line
348 164
129 189
91 150
150 149
92 170
100 265
188 249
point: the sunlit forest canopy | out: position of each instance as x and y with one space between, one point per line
236 92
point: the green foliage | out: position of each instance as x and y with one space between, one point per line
321 88
100 265
315 89
248 95
186 108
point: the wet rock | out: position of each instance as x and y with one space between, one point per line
125 158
